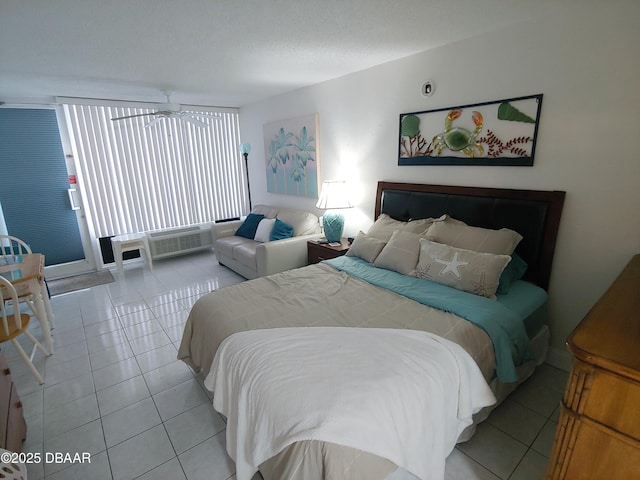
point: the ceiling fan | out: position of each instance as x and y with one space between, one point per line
171 110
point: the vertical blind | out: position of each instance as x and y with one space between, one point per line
171 174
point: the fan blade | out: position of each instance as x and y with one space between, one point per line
194 121
154 121
133 116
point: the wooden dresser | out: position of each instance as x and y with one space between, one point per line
598 435
13 429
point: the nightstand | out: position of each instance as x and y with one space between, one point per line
317 252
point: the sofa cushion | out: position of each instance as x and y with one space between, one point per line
303 223
249 226
266 210
263 232
245 253
281 230
225 245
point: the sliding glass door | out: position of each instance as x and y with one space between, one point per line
38 202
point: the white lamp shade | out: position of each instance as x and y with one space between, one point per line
334 195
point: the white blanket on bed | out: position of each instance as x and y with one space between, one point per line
400 394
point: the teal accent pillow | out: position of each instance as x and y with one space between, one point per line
513 271
281 230
249 226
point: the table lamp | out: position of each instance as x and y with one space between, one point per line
333 196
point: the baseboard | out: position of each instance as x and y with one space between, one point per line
559 358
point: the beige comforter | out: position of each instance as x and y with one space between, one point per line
319 295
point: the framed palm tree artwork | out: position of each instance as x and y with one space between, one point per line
291 149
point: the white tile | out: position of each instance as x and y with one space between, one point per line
172 470
116 373
544 442
102 327
110 355
71 415
461 467
86 438
67 353
69 333
193 427
532 467
179 399
176 318
520 422
494 449
35 433
122 394
98 468
187 303
32 403
56 373
128 308
35 471
187 291
167 376
533 394
106 340
157 357
160 299
140 454
63 392
136 317
175 333
141 329
167 308
208 460
149 342
130 421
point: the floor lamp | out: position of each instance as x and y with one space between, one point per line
245 148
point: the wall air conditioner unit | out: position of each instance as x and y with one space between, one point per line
178 241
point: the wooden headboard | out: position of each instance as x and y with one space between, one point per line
534 214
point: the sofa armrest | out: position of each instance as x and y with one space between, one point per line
225 229
281 255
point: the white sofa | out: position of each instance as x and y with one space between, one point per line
253 259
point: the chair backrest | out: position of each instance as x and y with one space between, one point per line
13 246
9 305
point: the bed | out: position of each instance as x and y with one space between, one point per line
360 324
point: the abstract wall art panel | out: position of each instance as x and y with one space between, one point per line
499 133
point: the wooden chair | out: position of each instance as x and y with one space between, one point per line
15 323
10 246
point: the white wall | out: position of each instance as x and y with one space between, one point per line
586 65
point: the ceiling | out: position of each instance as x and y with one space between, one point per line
223 52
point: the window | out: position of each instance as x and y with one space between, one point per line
137 178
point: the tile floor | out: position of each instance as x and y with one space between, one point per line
114 389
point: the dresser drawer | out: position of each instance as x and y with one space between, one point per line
592 450
614 401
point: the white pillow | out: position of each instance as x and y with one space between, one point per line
263 232
365 247
465 270
458 234
384 226
401 253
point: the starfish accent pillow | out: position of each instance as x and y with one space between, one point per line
466 270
